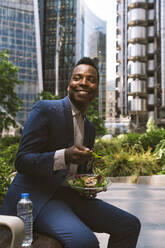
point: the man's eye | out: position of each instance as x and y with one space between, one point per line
92 79
76 78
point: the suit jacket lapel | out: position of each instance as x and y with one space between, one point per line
68 122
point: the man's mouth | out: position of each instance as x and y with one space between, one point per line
82 90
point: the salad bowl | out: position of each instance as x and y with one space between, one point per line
89 183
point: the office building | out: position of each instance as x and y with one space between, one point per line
59 39
140 59
94 46
19 33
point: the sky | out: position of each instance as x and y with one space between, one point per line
106 10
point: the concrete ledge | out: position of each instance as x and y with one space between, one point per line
156 180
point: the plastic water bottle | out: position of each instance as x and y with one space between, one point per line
24 211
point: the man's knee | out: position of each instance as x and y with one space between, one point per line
136 224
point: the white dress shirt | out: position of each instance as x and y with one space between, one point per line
59 157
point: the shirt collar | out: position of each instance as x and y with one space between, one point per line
75 111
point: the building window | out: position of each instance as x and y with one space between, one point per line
151 65
137 14
136 67
136 32
137 104
136 85
151 31
150 48
150 82
136 50
151 99
151 14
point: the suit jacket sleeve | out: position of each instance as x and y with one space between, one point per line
35 156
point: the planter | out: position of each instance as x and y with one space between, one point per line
156 180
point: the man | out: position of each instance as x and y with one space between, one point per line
57 142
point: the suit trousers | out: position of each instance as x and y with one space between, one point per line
72 219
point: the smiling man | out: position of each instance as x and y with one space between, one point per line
83 85
57 142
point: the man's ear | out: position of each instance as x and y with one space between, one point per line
68 88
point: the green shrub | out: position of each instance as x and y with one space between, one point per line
129 140
162 171
159 152
7 158
5 180
103 147
145 163
152 138
118 164
7 141
131 160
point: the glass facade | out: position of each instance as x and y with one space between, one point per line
94 33
58 26
18 31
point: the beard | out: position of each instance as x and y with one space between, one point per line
80 103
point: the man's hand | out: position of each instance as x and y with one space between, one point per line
77 154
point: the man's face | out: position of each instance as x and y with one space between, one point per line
83 85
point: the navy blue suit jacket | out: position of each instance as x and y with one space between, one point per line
49 127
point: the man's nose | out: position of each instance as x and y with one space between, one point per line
84 81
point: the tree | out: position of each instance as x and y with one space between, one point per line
45 95
93 116
10 103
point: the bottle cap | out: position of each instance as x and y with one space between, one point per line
25 195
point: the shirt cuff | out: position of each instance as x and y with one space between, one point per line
59 160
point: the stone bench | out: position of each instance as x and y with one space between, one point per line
11 231
43 241
6 236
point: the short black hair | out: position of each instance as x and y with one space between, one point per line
88 61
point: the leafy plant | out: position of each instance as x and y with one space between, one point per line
128 140
152 138
7 158
10 103
93 116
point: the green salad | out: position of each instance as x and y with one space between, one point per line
88 183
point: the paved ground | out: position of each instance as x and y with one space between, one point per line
147 203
